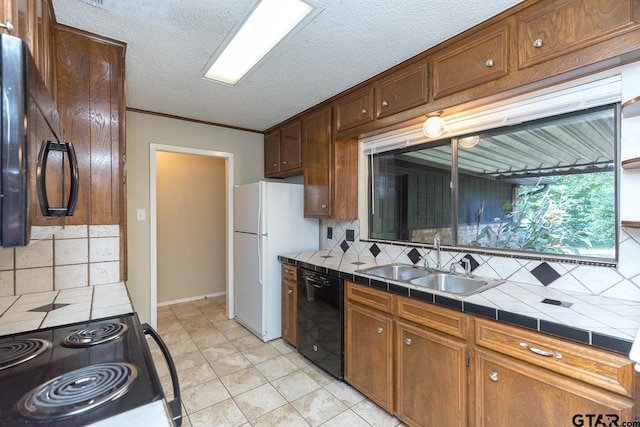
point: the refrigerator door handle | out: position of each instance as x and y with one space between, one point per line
260 281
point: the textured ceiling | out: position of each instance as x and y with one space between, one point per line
169 43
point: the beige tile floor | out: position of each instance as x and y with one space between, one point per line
229 377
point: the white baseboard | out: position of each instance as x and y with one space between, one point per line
196 298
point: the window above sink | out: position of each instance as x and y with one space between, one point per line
542 187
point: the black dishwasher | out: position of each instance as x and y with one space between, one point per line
320 320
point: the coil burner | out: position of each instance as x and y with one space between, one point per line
77 392
95 334
15 352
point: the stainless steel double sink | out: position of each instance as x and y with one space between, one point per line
458 285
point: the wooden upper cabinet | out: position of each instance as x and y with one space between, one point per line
317 148
477 59
90 82
272 153
552 28
291 147
32 21
354 109
283 151
401 90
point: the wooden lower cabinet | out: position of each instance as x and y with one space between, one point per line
431 377
513 393
289 304
369 353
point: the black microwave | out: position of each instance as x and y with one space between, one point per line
39 171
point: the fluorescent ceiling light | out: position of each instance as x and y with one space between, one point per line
269 23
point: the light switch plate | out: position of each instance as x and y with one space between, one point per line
141 215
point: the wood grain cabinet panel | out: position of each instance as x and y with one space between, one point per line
549 29
403 89
289 304
513 393
318 158
272 154
607 370
90 81
431 377
291 147
354 109
369 353
475 60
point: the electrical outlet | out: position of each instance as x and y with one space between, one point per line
350 236
329 232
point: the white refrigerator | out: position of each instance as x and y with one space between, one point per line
268 221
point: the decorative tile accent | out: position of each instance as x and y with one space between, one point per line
557 302
545 274
414 256
472 260
344 245
350 236
375 250
47 308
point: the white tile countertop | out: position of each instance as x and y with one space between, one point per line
22 313
600 321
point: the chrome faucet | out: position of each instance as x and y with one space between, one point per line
436 246
467 266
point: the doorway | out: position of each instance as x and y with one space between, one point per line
191 193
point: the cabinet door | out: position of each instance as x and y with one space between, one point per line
272 153
512 393
355 109
404 89
289 312
90 82
316 140
291 147
549 29
431 377
368 351
472 61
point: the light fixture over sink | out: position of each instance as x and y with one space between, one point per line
434 125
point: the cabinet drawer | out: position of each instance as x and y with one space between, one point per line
289 272
375 298
596 367
473 61
404 89
354 110
439 318
549 29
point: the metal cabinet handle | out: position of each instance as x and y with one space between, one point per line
537 43
275 165
489 63
380 330
323 206
284 162
541 352
7 26
286 270
493 376
407 341
290 291
364 111
385 104
41 178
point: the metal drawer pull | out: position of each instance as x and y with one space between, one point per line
493 376
541 352
407 341
385 104
7 26
364 111
489 63
380 330
284 162
537 43
323 206
275 165
290 291
286 270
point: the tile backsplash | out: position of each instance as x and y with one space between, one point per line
622 282
79 255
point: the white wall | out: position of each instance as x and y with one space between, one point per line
144 129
